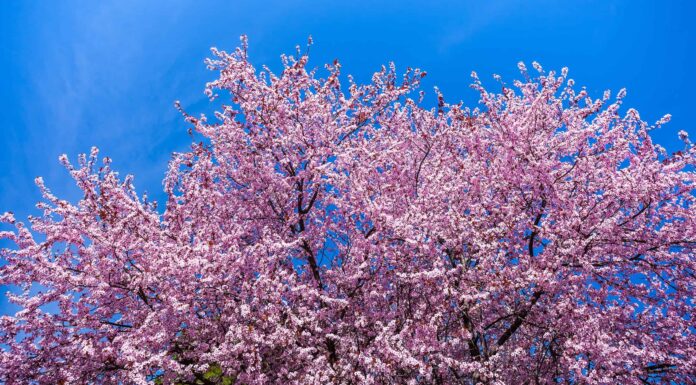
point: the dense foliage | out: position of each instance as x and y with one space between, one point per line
328 233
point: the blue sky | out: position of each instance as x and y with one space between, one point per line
76 74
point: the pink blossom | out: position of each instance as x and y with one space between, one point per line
351 235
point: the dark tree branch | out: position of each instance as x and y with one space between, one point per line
519 320
537 220
312 264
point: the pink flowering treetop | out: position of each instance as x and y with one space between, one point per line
324 233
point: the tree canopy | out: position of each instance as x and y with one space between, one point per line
323 232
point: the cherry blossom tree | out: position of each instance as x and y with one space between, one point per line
330 233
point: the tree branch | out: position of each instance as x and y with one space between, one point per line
519 320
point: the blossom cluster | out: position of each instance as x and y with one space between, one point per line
324 232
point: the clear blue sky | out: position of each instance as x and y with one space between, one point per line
79 73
